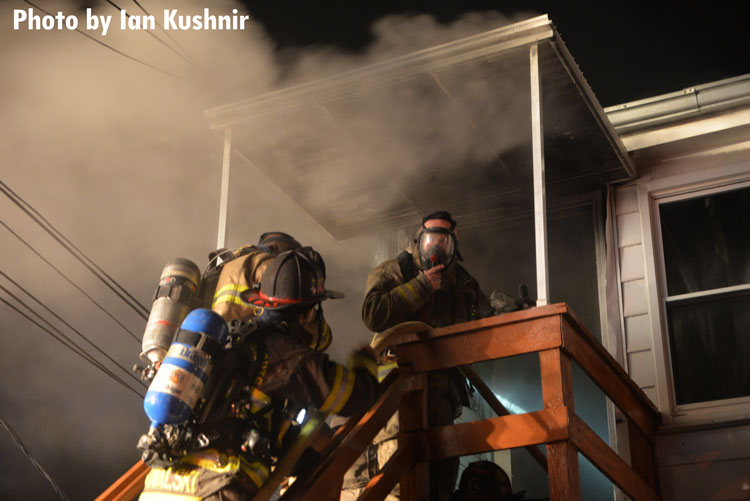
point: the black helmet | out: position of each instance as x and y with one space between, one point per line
293 278
276 242
484 481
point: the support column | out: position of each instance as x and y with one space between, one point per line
415 485
540 203
221 240
562 457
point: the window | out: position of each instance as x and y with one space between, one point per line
706 292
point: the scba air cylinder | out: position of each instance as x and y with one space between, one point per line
174 298
177 386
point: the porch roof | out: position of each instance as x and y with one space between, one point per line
355 151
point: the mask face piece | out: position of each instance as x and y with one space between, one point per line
436 246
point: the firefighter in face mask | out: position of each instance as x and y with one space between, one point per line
429 285
243 270
250 430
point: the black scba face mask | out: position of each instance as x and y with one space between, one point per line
436 246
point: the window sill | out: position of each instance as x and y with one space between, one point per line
719 413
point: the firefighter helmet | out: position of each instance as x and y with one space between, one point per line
276 242
293 278
484 481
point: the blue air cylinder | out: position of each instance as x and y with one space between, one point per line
176 388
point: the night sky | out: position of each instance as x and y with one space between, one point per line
626 50
119 158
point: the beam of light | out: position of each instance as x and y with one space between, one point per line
513 408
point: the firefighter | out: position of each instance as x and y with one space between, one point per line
429 285
249 430
485 481
243 270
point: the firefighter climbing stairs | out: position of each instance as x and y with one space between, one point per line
559 339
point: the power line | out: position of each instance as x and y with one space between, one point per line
58 317
34 462
117 51
75 251
113 4
69 280
165 32
74 348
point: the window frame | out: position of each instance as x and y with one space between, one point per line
701 412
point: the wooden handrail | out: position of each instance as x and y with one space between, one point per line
128 486
555 333
558 337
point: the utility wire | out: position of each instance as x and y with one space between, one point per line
165 32
150 32
117 51
58 317
75 251
83 355
34 462
69 280
72 347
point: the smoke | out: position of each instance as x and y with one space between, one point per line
118 156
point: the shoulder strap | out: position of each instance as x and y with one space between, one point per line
407 266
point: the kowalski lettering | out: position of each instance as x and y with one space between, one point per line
185 483
171 480
157 479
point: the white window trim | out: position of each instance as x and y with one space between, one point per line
650 194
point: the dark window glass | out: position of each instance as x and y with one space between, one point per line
710 342
706 242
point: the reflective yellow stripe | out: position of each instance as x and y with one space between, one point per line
401 290
384 369
214 461
257 471
230 293
364 362
351 377
259 399
411 297
324 338
334 391
410 288
340 393
230 299
231 288
167 496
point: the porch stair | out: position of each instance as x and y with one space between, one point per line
559 339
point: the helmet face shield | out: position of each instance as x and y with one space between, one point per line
436 246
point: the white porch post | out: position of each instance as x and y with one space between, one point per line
540 204
221 241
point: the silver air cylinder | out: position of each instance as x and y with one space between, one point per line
173 300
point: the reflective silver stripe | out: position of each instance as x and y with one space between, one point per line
341 391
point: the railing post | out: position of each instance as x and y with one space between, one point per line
562 457
415 485
642 456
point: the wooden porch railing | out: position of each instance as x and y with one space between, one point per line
559 338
